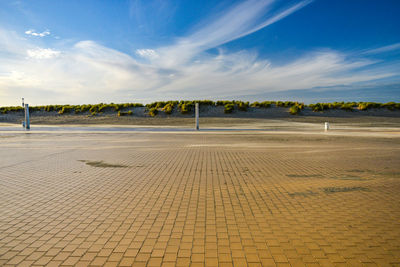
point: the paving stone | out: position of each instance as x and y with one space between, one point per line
200 199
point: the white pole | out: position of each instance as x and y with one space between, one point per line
326 126
197 115
27 123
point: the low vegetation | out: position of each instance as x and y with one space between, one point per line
168 108
243 106
153 112
265 104
5 110
296 108
129 113
228 108
186 107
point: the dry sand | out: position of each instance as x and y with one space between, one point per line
282 193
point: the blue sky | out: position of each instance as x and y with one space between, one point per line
141 51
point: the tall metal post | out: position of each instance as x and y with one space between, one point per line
27 123
197 116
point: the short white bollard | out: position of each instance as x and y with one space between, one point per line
326 126
197 116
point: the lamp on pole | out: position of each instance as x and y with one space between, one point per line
196 108
26 123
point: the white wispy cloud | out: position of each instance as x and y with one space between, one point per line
238 21
37 34
278 16
147 53
43 53
88 72
383 49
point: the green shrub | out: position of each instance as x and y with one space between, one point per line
300 105
264 104
133 105
185 106
102 108
153 112
120 113
117 107
93 109
160 104
228 108
255 104
294 110
347 107
224 103
285 104
206 103
391 105
243 106
168 108
33 108
290 103
12 109
319 107
368 105
151 105
334 105
85 108
157 105
315 107
66 109
49 108
362 106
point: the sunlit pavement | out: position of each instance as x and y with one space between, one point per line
179 199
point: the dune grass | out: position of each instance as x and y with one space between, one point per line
186 107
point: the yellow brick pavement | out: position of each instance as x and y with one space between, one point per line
206 199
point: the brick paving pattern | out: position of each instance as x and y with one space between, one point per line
206 199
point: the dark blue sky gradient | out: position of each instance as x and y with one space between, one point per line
348 27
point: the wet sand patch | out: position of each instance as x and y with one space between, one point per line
330 190
102 164
303 194
350 178
305 175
